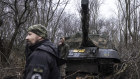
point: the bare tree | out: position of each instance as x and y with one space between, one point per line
95 22
128 20
18 12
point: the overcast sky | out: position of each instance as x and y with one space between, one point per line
107 10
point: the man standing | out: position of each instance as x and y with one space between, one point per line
63 52
41 55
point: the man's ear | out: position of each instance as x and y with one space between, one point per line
40 38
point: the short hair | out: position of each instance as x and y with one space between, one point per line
62 38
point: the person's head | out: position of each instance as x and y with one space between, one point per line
36 33
62 40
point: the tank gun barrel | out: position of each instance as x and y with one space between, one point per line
86 42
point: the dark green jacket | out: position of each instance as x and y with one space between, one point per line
63 50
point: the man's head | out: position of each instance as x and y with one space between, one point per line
36 33
62 40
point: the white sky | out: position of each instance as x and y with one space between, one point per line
71 7
107 9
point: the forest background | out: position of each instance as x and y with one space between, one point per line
123 31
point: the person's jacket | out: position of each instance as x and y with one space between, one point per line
41 61
63 50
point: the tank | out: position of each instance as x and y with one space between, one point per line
90 60
89 54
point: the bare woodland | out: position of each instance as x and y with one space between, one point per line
17 15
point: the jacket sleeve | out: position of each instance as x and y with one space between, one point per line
40 65
67 50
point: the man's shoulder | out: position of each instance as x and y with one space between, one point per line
48 48
43 52
66 45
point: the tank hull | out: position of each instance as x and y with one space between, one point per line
91 61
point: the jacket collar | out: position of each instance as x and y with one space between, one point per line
33 47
